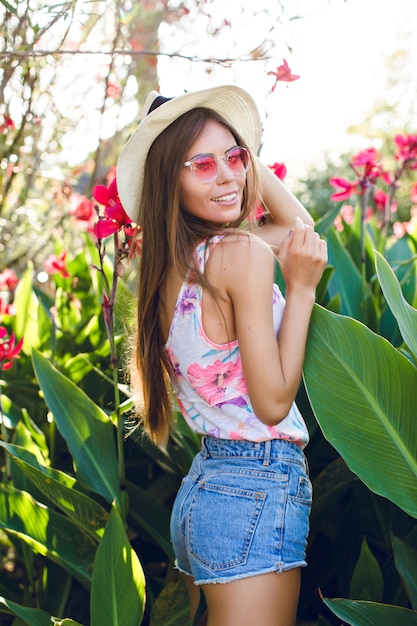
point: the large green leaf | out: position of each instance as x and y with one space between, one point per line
85 427
118 585
346 280
61 489
405 314
33 617
362 613
362 391
47 532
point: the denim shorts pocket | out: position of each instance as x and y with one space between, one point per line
221 524
304 491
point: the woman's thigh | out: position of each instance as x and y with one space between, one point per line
267 599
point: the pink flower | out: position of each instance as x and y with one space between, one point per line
6 309
259 213
346 188
279 170
283 73
380 199
372 170
399 229
8 280
56 265
213 382
115 218
347 215
113 91
406 149
8 349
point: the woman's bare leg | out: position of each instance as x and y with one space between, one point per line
268 599
194 595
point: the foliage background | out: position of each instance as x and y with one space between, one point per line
47 99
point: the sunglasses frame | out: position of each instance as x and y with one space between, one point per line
224 158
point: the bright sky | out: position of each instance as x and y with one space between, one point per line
339 51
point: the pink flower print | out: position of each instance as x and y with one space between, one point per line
212 382
188 301
175 365
235 435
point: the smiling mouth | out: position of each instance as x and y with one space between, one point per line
226 198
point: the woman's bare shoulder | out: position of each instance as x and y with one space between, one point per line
239 259
241 245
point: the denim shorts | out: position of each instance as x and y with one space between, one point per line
243 509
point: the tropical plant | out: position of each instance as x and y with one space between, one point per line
360 381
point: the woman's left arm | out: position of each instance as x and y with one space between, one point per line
283 207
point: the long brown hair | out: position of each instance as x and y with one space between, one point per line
170 236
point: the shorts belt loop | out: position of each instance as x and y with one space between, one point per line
267 452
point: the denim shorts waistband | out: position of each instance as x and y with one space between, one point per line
270 449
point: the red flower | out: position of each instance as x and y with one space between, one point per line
56 265
115 217
7 124
283 73
347 188
279 170
8 349
84 211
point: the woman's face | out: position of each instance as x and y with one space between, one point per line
219 201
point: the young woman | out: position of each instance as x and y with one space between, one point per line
213 325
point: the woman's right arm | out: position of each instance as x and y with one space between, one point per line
272 366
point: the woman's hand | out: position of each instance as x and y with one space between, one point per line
302 258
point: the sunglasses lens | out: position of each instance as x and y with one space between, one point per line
205 168
238 160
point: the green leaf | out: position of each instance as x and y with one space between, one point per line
61 489
9 7
362 391
33 617
47 532
118 585
151 515
406 564
325 222
25 321
346 280
404 313
65 622
362 613
367 582
172 606
85 427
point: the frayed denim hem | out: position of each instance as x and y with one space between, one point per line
278 569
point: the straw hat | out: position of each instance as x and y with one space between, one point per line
234 104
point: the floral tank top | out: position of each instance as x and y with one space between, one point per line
208 379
